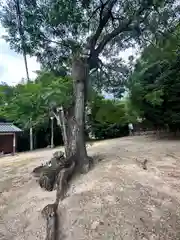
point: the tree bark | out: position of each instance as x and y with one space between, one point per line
72 120
64 129
75 117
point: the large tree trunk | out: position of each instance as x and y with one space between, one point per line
76 118
72 119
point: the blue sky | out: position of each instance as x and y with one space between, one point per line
12 68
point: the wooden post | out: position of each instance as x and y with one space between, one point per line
14 143
52 132
31 138
31 135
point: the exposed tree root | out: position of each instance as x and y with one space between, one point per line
47 174
49 212
56 174
62 182
37 171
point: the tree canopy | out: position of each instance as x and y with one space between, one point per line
54 31
154 84
30 103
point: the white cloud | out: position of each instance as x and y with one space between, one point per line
12 68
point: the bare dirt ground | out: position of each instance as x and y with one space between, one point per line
115 200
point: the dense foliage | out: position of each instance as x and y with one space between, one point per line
30 105
108 118
155 83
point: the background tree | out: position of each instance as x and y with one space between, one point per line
21 34
154 84
35 101
79 33
108 118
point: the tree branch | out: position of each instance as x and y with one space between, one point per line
94 12
123 26
57 119
104 17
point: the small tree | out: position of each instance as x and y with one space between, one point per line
79 33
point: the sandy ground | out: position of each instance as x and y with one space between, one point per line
115 200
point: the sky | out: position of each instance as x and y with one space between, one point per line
12 69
